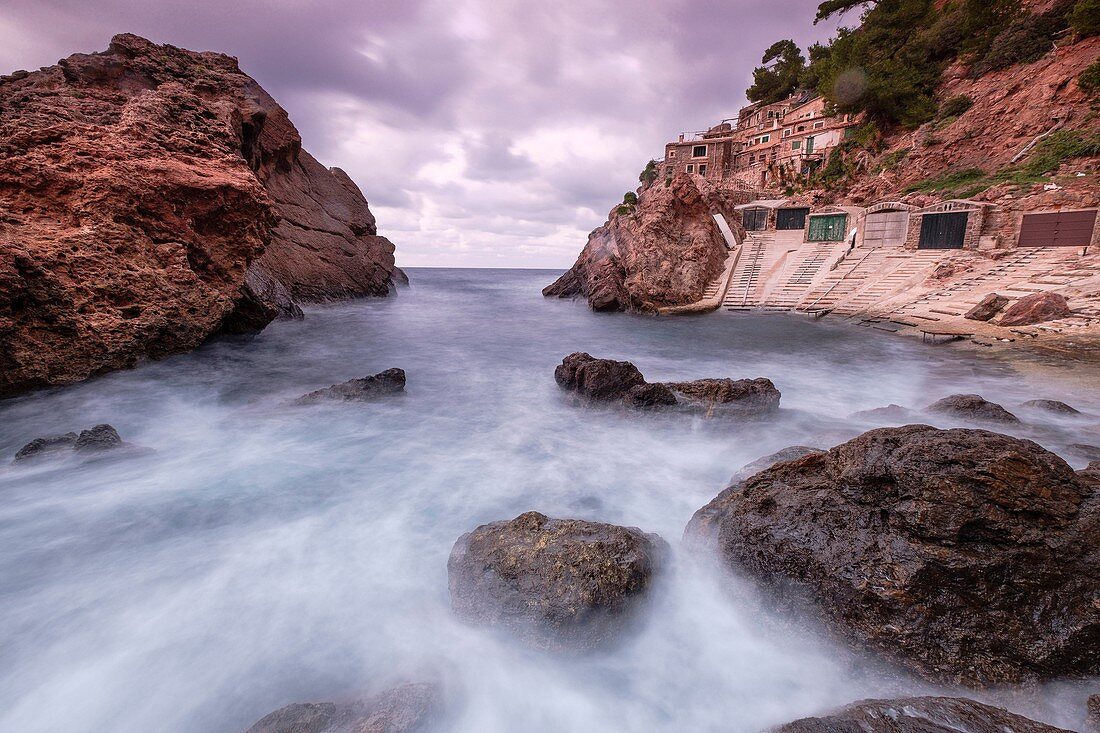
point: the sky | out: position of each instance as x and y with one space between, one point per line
484 133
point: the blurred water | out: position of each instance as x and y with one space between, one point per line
259 554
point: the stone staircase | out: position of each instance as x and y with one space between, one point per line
806 266
896 271
844 281
745 283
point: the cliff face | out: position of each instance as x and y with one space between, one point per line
151 197
662 252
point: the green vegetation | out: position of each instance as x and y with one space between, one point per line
950 181
1085 18
893 160
779 76
648 174
1089 80
955 106
1026 39
630 198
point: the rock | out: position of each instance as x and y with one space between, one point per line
972 408
150 196
964 555
1035 308
988 307
558 584
1093 707
389 382
649 395
1085 450
919 715
597 379
790 453
751 396
665 251
1055 406
891 413
100 438
402 709
46 445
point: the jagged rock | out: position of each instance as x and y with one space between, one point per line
597 379
891 413
963 554
1093 707
790 453
988 307
972 408
389 382
1035 308
558 584
664 251
147 192
99 438
1055 406
919 715
649 395
750 396
46 445
402 709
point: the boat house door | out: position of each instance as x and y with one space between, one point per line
786 219
943 231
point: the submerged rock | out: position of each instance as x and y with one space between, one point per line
972 408
891 413
750 396
597 379
96 439
989 306
919 715
790 453
963 554
402 709
1055 406
558 584
389 382
1035 308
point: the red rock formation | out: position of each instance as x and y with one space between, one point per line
662 252
1035 308
137 187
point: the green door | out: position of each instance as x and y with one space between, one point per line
809 145
827 228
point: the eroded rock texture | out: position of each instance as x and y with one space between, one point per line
138 189
963 554
919 715
402 709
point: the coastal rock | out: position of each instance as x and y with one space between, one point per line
972 408
790 453
1035 308
148 193
1093 707
649 395
749 396
988 307
919 715
47 445
99 438
890 414
1086 450
389 382
1054 406
964 555
662 252
558 584
402 709
597 379
96 439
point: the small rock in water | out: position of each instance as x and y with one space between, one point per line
747 396
919 715
402 709
597 379
790 453
1055 406
46 445
558 584
1086 451
1093 707
890 414
99 438
972 408
391 381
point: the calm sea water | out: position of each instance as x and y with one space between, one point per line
258 554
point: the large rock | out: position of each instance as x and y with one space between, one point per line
988 307
1035 308
597 379
919 715
559 584
750 396
403 709
140 187
963 554
972 408
665 251
389 382
93 440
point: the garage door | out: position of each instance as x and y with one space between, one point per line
1058 229
787 219
885 229
754 219
828 228
943 231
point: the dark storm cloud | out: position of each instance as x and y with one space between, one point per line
471 125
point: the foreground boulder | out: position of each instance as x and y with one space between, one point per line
1035 308
93 440
597 379
140 187
558 584
988 307
748 396
963 554
972 408
389 382
919 715
403 709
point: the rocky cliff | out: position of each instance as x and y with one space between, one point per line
151 197
662 251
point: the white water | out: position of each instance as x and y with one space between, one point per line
260 554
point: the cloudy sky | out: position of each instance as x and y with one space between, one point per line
485 133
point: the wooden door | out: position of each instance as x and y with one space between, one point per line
827 227
1057 229
754 220
886 229
786 219
943 231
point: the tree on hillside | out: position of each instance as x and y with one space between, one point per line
783 64
829 8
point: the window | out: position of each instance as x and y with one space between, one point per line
691 169
787 132
672 153
796 144
703 169
699 151
819 125
765 138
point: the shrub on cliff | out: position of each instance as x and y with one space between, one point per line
1025 40
956 106
1085 18
1089 80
